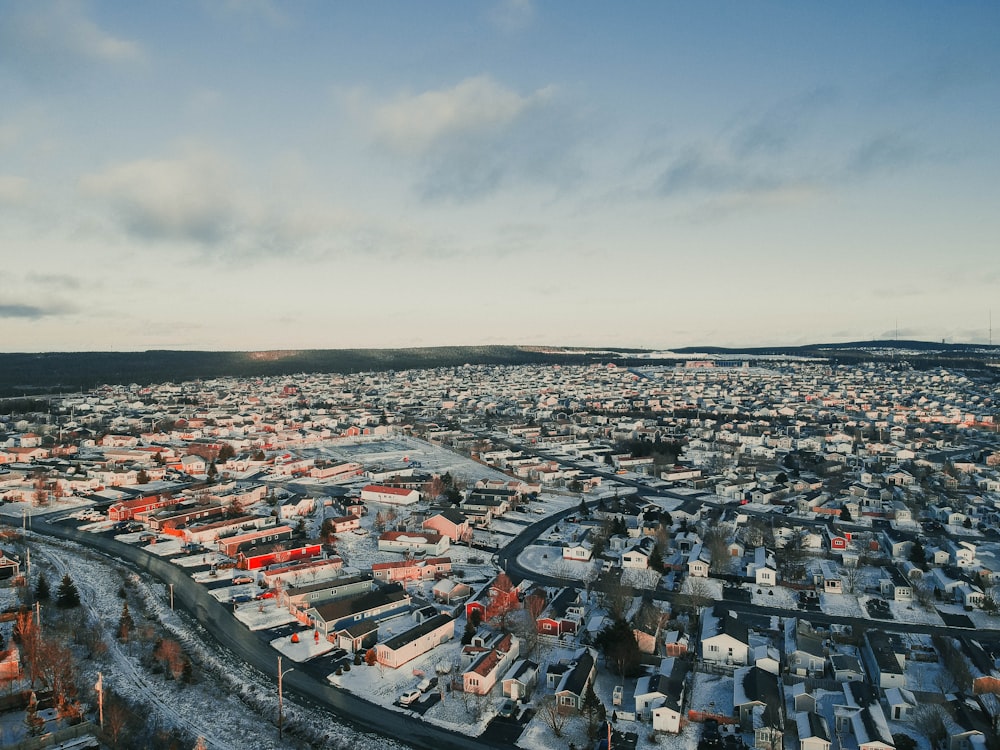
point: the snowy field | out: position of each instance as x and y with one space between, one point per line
549 561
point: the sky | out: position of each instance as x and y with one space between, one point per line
322 174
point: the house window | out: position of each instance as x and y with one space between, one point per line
713 648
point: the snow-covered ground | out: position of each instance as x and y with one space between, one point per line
549 561
302 645
773 596
263 615
231 705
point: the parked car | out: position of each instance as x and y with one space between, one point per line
240 580
507 709
427 684
409 697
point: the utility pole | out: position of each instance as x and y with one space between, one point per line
99 687
171 596
281 676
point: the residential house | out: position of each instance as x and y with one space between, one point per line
895 586
449 590
411 569
489 661
968 724
418 640
884 658
563 614
451 523
763 569
808 658
830 578
572 687
861 716
813 731
231 546
520 680
698 561
900 704
500 595
376 605
659 697
724 638
10 565
374 493
426 542
846 668
261 556
580 550
758 705
638 557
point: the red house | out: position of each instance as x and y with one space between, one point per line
277 552
499 595
126 510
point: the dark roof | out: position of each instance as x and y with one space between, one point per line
818 726
339 608
881 647
453 515
576 681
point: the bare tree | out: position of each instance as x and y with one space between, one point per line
616 597
853 579
117 721
171 655
28 636
503 603
929 721
717 540
696 594
548 709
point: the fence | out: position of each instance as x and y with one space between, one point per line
78 731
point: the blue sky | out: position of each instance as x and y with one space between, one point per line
249 174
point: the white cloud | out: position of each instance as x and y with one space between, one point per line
414 123
512 15
206 202
40 35
13 189
189 198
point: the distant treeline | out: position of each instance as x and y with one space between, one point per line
60 372
28 374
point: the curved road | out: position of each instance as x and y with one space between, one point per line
233 635
311 688
507 560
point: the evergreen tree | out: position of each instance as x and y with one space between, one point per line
42 591
621 651
67 596
125 624
594 711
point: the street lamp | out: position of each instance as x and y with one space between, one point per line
281 676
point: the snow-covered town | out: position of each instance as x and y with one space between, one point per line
765 553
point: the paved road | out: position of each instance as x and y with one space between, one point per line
309 689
